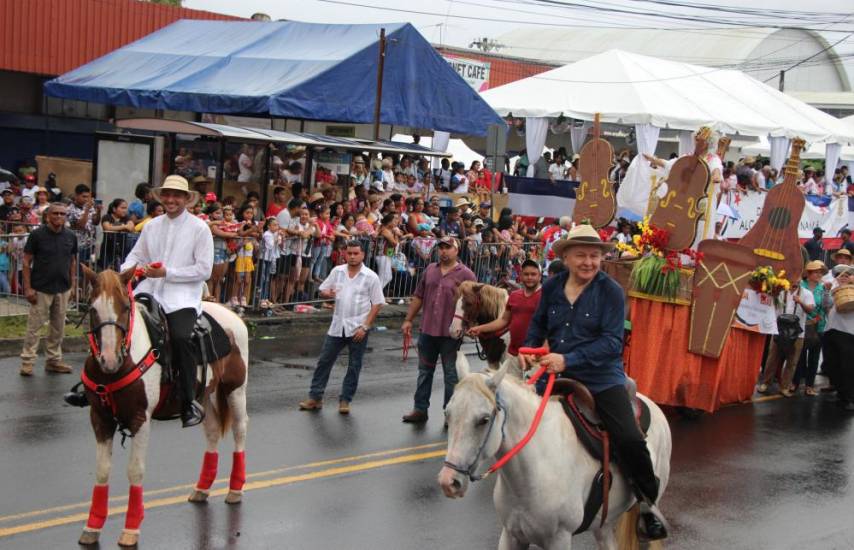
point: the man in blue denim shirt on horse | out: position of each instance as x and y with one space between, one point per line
581 315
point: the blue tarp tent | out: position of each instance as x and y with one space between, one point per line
283 69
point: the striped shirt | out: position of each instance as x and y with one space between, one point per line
354 298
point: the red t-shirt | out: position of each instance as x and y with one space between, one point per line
521 308
274 209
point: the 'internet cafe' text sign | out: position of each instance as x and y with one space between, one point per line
475 72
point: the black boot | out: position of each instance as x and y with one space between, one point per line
651 523
192 414
75 397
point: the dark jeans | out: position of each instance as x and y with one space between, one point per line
808 364
429 350
181 323
332 346
838 348
615 410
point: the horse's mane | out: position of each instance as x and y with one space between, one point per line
477 382
110 282
492 299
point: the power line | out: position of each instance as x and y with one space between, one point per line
546 23
829 46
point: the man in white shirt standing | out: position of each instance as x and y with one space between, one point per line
176 253
358 298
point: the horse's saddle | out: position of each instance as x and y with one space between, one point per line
580 406
211 341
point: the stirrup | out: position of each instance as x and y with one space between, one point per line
75 397
647 511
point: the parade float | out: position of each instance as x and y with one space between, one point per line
683 290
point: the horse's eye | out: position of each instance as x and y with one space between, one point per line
482 421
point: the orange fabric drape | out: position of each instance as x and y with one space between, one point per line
665 371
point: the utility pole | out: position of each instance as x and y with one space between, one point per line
379 100
782 80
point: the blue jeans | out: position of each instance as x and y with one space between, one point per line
264 274
5 287
332 346
430 348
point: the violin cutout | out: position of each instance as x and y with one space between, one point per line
688 182
594 197
774 236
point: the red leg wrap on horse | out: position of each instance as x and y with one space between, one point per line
208 474
238 471
135 513
98 508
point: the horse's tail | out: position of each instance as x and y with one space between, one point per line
626 531
223 411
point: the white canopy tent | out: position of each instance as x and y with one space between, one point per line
813 152
632 89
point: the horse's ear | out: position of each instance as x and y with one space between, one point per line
127 274
463 368
495 380
90 275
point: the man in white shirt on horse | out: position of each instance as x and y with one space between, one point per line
175 252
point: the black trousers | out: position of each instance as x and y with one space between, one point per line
838 349
615 410
181 323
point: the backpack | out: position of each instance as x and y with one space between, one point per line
789 330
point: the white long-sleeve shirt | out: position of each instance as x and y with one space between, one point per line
185 247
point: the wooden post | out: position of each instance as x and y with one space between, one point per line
379 100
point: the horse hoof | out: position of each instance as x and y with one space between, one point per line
198 496
128 539
88 538
234 497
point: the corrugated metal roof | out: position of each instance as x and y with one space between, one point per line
51 37
264 135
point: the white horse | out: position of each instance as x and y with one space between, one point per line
132 407
540 493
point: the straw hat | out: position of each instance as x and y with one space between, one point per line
177 183
841 252
316 196
462 201
816 265
581 235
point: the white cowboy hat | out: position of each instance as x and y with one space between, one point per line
177 183
579 235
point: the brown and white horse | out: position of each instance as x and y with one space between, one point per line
478 304
125 376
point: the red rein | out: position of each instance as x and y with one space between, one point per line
539 352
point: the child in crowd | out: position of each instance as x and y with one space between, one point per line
5 268
244 265
270 243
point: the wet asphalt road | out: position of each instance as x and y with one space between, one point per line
773 475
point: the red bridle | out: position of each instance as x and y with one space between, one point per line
105 391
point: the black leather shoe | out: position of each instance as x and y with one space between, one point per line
192 415
76 399
650 527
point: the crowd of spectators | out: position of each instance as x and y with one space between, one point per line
395 206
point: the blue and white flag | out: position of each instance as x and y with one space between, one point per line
541 198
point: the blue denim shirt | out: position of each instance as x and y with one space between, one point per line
589 333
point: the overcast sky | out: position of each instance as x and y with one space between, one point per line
459 22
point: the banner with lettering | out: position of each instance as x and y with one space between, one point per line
473 71
746 208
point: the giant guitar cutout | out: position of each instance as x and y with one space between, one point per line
594 198
774 236
687 184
